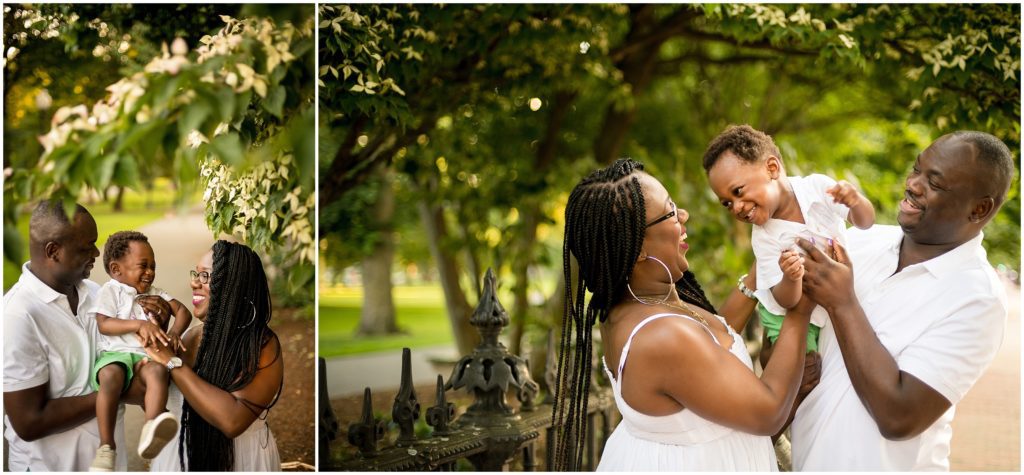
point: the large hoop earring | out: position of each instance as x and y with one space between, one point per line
671 286
253 319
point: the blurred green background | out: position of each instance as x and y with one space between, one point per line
450 136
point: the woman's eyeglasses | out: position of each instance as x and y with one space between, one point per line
204 277
671 214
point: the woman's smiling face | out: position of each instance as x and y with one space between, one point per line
201 290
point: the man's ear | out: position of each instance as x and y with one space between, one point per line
774 166
983 209
52 250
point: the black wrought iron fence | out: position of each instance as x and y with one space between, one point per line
491 434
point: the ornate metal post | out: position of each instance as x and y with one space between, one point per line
406 410
488 373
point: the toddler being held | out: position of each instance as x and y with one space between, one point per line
126 327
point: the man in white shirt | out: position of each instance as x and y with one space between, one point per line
915 326
50 345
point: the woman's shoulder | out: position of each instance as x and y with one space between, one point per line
669 331
271 353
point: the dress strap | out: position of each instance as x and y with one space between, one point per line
625 349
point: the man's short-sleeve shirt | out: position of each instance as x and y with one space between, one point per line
942 320
44 343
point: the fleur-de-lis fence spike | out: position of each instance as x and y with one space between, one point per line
442 412
368 431
406 410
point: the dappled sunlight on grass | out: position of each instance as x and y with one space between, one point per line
421 316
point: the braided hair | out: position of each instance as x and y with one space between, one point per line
234 334
605 223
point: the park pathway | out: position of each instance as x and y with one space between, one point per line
347 375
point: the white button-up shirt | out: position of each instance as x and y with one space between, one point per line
44 343
942 320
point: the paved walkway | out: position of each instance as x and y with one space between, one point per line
349 375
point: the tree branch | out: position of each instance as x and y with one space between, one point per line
760 45
672 65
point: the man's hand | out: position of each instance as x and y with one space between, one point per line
149 333
792 265
827 281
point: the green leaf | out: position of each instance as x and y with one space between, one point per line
126 173
13 244
228 147
193 117
105 172
274 102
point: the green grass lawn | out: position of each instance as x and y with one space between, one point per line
137 213
420 311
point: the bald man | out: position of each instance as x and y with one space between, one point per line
915 326
49 346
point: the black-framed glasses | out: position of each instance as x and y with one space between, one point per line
204 277
671 214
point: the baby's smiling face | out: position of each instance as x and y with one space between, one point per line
137 267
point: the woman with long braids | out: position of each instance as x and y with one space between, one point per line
231 372
681 376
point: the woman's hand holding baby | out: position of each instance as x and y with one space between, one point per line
156 307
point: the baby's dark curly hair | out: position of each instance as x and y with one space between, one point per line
117 246
749 144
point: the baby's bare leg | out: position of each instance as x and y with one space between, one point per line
154 376
111 379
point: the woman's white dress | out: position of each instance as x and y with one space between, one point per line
682 441
255 449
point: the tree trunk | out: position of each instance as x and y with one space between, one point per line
459 311
522 258
554 310
378 312
119 200
637 58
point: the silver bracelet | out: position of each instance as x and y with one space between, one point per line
744 289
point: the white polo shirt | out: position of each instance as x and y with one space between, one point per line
44 343
942 320
823 219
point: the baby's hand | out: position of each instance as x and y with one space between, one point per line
175 341
844 192
149 334
792 265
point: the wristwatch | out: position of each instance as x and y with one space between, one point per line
172 363
744 289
